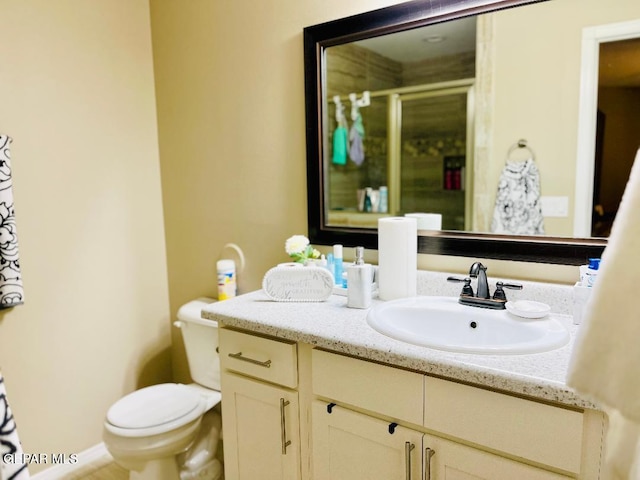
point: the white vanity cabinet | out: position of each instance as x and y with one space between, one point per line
291 411
348 445
260 410
465 432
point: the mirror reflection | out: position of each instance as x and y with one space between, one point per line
478 121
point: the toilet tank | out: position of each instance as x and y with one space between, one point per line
200 338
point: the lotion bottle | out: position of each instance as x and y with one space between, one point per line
359 282
592 272
384 200
337 264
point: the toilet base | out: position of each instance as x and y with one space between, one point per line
192 448
160 469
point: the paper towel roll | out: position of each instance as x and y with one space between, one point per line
397 257
427 221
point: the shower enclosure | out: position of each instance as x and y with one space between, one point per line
418 143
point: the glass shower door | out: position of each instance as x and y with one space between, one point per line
432 147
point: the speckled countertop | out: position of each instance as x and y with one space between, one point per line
333 326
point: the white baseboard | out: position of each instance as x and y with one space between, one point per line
91 457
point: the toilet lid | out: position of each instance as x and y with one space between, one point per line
152 406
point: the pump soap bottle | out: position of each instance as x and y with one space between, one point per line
359 282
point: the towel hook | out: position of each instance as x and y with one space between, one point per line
339 109
356 103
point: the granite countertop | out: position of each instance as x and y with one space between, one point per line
333 326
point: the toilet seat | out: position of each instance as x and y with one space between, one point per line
154 410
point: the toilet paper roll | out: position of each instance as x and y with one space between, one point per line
397 257
427 221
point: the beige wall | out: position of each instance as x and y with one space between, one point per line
230 89
77 96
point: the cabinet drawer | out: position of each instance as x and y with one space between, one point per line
386 390
541 433
265 358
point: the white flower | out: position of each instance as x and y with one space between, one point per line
296 244
298 248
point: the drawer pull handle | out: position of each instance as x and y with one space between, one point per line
238 356
330 407
392 427
428 453
283 426
408 446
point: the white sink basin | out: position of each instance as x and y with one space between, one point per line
444 324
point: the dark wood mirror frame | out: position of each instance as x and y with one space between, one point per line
413 14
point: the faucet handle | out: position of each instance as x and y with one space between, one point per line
466 288
499 293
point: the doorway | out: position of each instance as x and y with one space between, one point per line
617 128
607 141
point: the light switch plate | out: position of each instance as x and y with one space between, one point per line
554 206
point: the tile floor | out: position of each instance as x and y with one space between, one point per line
103 469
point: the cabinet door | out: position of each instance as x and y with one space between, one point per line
352 446
453 461
260 429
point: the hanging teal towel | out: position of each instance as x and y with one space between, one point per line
340 146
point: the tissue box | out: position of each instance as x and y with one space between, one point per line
580 298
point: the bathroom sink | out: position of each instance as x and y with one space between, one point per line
442 323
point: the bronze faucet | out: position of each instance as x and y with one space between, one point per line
482 297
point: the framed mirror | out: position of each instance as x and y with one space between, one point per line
347 74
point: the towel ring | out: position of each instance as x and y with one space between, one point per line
521 144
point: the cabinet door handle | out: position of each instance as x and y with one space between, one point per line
428 453
408 446
238 356
283 427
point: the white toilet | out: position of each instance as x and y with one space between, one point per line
171 431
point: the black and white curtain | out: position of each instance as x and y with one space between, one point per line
11 293
12 465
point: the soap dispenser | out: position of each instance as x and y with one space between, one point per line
359 282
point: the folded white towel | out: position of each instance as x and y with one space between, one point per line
605 364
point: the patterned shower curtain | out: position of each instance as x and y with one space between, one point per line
11 293
12 465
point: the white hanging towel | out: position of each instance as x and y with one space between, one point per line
12 466
11 292
518 210
605 363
